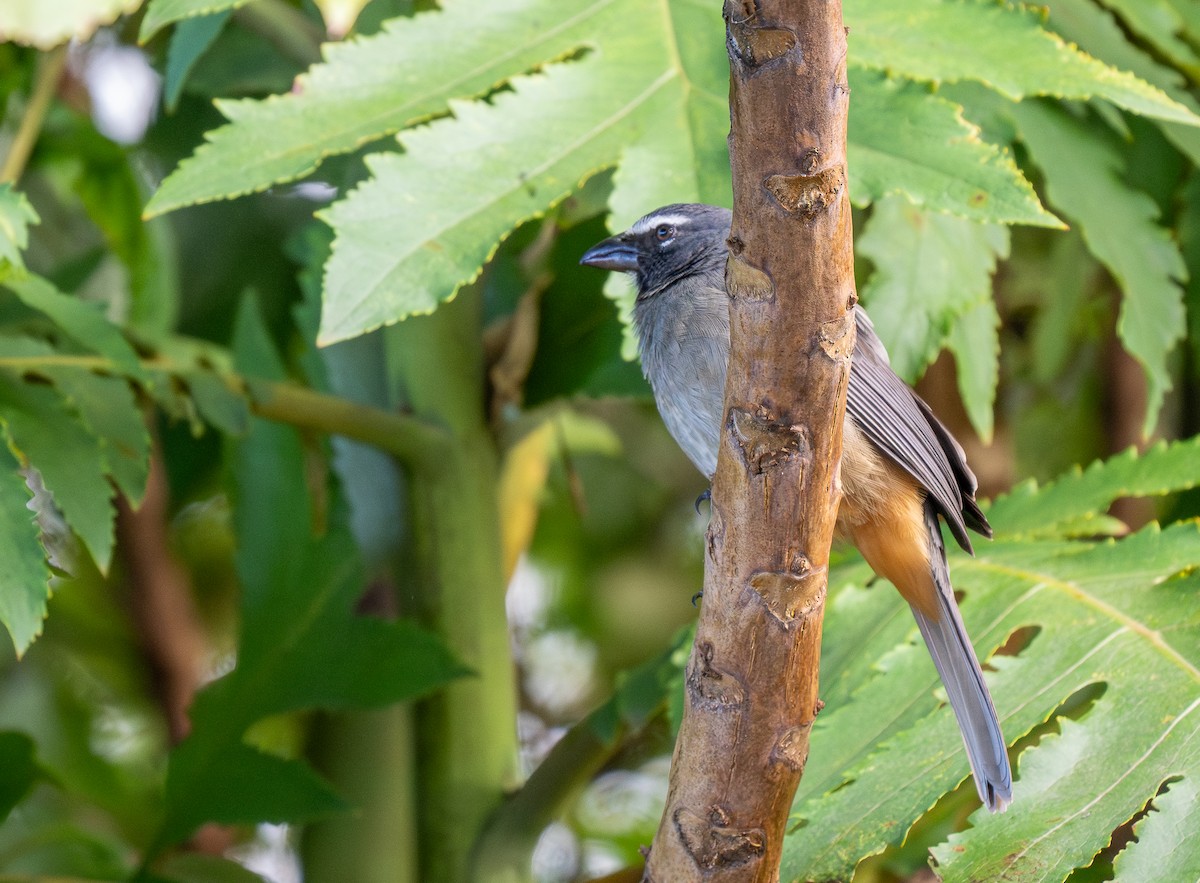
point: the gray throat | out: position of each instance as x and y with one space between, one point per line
683 334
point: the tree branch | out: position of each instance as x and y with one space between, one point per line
49 72
172 636
417 443
752 677
506 846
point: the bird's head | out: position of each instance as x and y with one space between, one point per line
666 246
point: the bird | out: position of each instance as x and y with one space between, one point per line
901 468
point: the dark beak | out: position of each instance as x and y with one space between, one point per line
613 253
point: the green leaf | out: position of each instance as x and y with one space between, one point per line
390 261
371 87
1160 24
49 436
106 406
196 867
113 193
1061 283
1085 180
1096 32
1164 847
16 214
301 645
1117 613
579 335
644 690
357 662
672 71
109 409
160 13
191 39
244 62
221 406
695 51
974 338
1121 614
931 269
1001 45
18 770
374 86
1133 629
904 139
658 169
83 322
1030 511
25 579
1190 15
47 23
238 785
679 157
867 618
544 137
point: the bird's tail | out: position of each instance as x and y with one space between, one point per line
952 653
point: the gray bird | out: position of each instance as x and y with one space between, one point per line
901 468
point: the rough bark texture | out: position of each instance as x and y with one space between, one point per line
752 677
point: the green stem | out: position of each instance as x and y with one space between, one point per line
506 847
414 442
467 732
368 756
40 878
286 28
49 72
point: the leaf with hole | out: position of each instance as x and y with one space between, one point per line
1114 619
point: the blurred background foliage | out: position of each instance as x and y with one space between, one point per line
461 521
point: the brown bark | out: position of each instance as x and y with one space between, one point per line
166 617
1124 412
752 678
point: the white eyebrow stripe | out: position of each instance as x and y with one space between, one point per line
646 224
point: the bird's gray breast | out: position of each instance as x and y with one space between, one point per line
684 341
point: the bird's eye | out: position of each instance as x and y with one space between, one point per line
665 232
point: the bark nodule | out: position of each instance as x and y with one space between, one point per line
751 685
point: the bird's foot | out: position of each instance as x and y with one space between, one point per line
696 597
705 497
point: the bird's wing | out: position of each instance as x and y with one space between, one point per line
903 427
